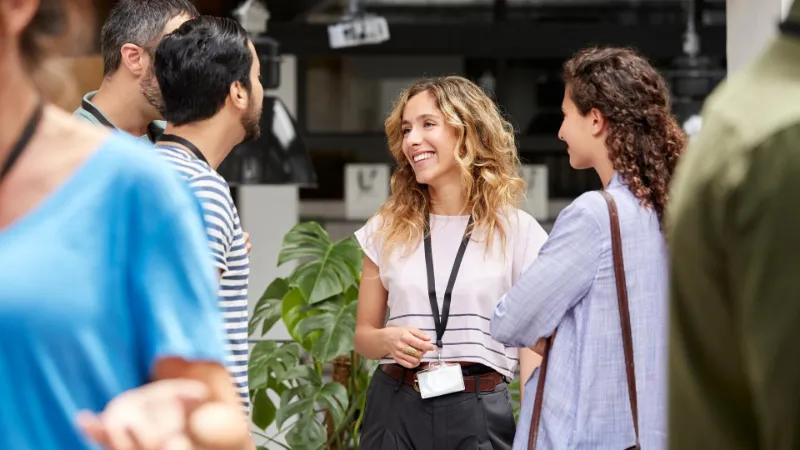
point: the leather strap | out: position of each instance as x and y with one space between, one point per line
625 325
487 381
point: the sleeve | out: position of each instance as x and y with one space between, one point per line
369 241
173 288
559 278
529 241
218 215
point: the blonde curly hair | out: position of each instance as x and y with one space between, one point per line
486 154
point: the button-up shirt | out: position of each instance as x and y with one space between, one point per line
571 287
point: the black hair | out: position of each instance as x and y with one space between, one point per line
196 65
139 22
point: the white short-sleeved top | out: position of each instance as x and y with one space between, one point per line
483 279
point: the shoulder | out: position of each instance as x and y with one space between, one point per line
373 224
584 215
519 221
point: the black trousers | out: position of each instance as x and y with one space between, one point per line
397 418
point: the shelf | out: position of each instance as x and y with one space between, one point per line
374 144
518 39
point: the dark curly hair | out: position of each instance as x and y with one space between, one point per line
644 140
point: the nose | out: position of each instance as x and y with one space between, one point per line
561 132
413 137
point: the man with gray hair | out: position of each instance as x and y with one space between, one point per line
129 97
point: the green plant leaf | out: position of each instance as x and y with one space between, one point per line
264 410
304 373
328 268
292 312
333 397
268 309
269 359
306 239
306 434
304 400
513 389
337 322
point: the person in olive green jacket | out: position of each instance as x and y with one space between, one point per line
734 235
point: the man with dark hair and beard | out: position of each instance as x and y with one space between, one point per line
129 98
209 75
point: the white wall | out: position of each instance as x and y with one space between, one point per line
750 25
268 213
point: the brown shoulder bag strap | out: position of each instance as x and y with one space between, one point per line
627 335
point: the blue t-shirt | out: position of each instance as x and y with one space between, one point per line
107 275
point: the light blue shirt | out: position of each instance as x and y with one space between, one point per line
107 275
571 286
155 129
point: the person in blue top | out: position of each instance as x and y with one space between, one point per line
110 333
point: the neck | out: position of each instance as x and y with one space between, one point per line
213 138
605 170
16 88
124 106
447 199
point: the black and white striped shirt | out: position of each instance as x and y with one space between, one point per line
227 245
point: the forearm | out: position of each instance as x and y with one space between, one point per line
369 342
528 361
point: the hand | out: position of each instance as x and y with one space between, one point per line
399 339
151 417
247 245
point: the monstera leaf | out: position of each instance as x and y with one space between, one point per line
326 268
304 401
268 309
335 319
269 359
269 362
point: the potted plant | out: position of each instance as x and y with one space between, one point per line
317 303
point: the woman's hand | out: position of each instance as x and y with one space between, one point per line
407 345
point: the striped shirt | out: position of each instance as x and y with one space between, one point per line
227 245
483 279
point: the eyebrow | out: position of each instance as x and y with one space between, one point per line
423 117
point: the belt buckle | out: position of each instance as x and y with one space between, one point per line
416 385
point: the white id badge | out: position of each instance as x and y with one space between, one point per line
440 379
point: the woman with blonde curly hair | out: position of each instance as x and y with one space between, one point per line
439 255
601 389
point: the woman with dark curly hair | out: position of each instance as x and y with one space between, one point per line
617 121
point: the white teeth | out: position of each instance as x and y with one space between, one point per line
422 156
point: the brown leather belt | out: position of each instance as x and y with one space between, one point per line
487 383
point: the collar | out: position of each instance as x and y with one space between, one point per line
154 130
616 181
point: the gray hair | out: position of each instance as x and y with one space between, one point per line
139 22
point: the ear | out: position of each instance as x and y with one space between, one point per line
239 96
598 122
135 59
16 15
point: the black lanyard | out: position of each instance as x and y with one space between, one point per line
23 141
91 109
94 112
441 323
184 142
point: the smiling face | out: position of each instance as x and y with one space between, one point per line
429 142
